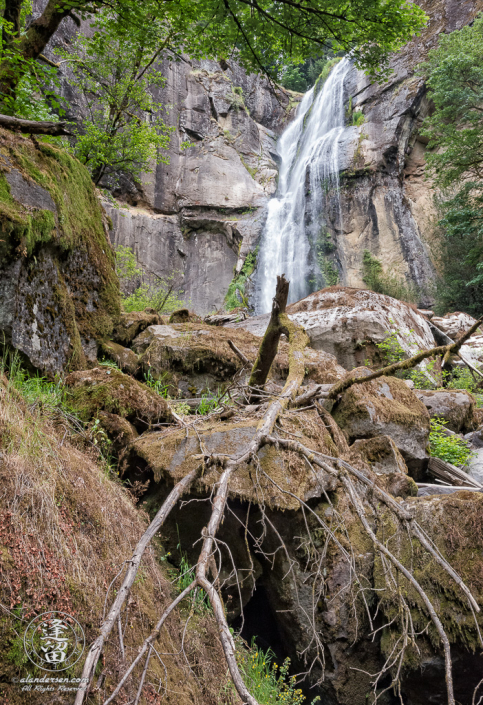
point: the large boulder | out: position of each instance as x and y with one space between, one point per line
171 455
386 406
454 324
350 323
107 389
196 358
455 406
59 293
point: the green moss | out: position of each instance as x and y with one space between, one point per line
455 523
112 391
76 227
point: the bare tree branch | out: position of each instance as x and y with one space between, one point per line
34 127
445 350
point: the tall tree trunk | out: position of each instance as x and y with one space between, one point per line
28 46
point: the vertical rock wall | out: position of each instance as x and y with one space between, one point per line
203 212
388 204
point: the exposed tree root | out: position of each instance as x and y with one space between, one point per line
356 485
123 592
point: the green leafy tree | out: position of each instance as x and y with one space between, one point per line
294 79
303 76
116 72
454 73
164 296
261 31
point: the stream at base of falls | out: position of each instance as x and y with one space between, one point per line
295 239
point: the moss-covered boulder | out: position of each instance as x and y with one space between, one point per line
196 357
59 293
455 524
105 389
172 454
386 406
120 432
132 324
124 357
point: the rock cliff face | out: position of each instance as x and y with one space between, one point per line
203 212
388 205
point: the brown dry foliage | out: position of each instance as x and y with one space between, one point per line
65 531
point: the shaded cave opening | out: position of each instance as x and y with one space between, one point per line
259 625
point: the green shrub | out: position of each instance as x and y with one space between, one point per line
358 118
163 297
452 449
269 683
239 282
388 283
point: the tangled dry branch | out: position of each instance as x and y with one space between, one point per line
357 487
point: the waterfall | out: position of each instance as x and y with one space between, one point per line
308 192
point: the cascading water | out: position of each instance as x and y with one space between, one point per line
308 186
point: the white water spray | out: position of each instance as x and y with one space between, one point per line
309 173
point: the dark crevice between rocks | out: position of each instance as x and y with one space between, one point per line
259 624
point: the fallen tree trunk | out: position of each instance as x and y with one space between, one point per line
35 127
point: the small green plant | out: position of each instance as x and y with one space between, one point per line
269 683
452 449
158 385
35 389
358 118
127 267
389 283
207 404
182 578
239 282
330 272
392 351
108 363
235 97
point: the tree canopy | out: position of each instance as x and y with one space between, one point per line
262 32
454 72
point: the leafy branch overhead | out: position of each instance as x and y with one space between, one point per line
260 32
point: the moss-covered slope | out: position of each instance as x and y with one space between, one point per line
59 293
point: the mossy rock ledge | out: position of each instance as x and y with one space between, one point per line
59 293
110 390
